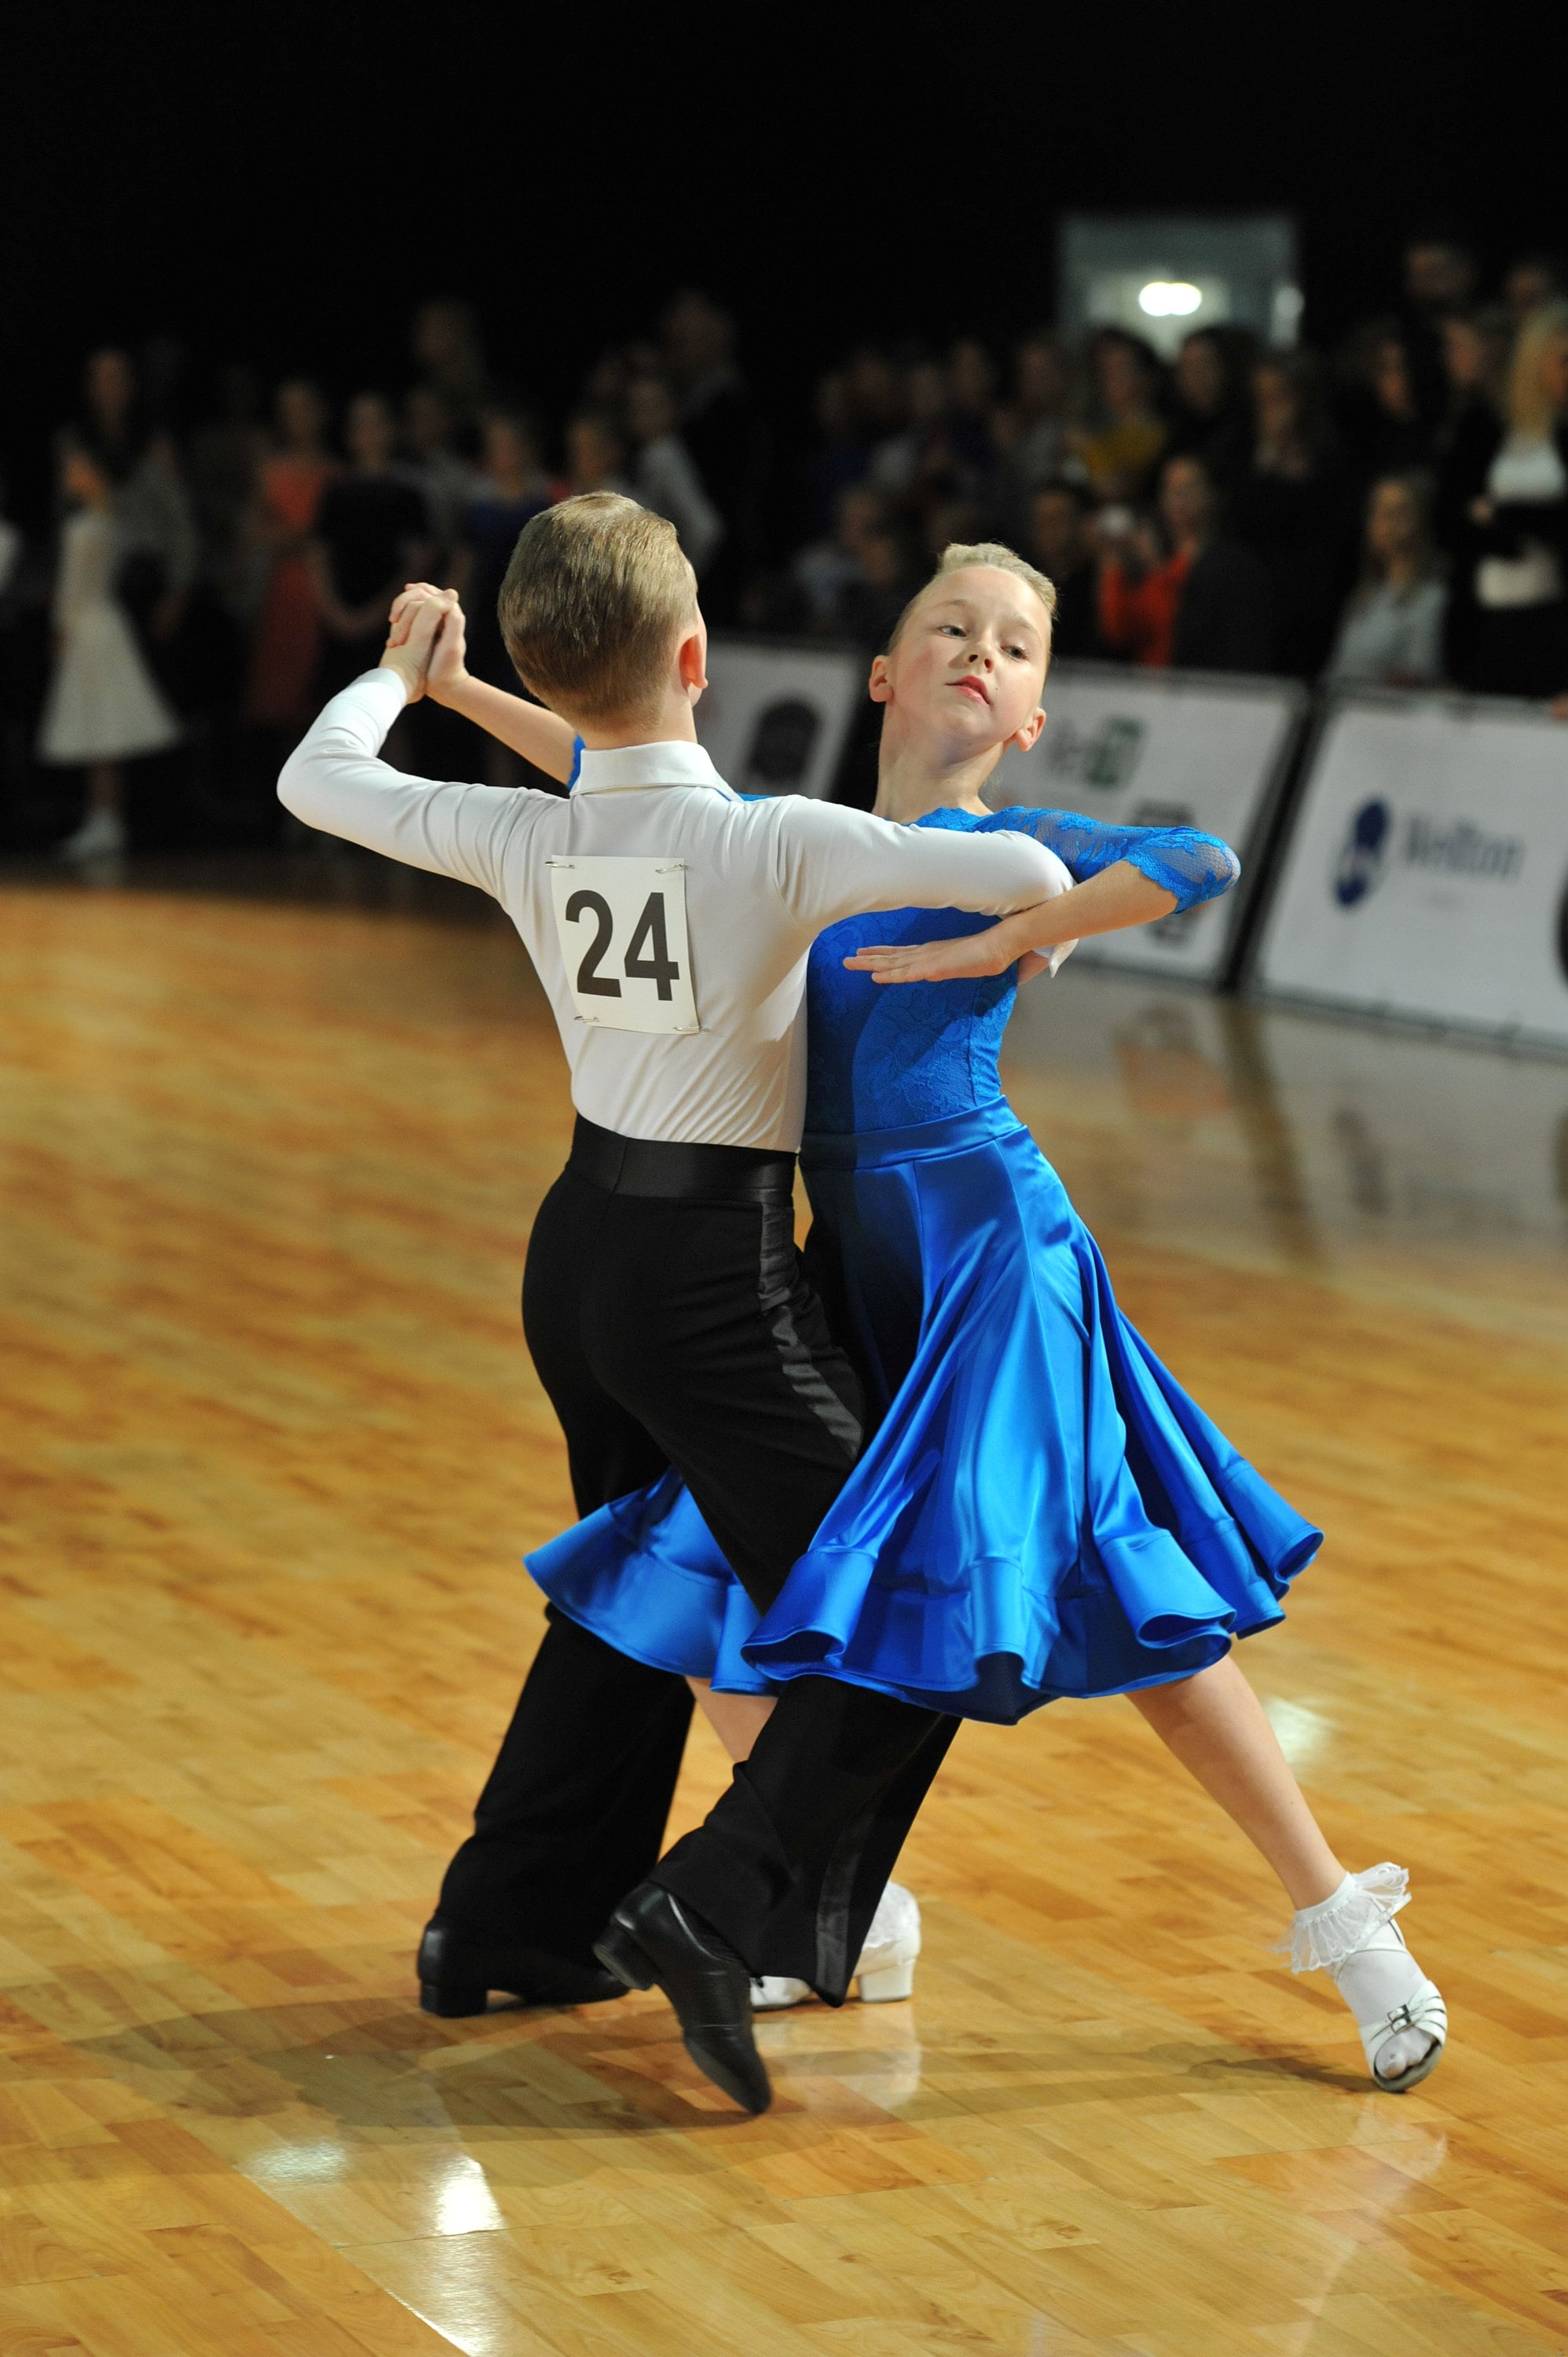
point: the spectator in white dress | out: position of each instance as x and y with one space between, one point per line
1391 631
104 707
663 474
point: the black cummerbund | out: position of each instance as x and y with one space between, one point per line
677 1171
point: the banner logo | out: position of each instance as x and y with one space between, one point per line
1462 848
1105 756
1360 867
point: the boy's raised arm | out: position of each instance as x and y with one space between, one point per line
540 737
335 779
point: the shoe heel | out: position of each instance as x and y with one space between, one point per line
451 2004
892 1981
621 1954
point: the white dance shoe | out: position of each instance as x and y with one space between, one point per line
1352 1937
887 1966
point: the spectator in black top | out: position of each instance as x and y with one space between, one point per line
1063 549
1200 602
1210 410
1476 348
1385 427
372 534
719 427
1439 279
1294 507
1225 622
869 605
1515 547
1032 430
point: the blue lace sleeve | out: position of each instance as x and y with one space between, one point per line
1178 858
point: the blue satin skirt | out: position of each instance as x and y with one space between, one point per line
1041 1509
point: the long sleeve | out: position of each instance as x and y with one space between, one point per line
334 780
831 862
1180 859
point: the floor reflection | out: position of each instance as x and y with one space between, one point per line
1259 1136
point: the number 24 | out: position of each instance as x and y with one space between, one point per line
660 969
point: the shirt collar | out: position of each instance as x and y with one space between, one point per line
627 766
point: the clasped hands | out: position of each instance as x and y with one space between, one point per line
426 641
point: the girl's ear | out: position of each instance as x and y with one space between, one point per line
879 687
1029 735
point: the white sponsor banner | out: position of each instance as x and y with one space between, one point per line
775 718
1149 749
1426 869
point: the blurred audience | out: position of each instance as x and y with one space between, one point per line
1398 517
372 534
444 480
1210 414
104 706
511 489
1120 446
1062 542
1391 631
286 651
1185 597
664 474
596 454
1292 506
1517 538
721 439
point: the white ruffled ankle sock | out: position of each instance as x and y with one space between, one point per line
1351 1936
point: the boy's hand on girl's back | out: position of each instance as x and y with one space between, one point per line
411 639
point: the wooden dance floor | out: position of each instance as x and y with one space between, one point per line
270 1450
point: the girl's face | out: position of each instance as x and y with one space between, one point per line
969 666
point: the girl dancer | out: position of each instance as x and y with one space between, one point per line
1042 1510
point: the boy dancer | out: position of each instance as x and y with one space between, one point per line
663 1304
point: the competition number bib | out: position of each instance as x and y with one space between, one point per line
621 924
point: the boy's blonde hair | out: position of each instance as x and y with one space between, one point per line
594 596
958 556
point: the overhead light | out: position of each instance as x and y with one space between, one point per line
1170 298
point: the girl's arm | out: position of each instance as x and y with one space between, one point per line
1123 875
540 737
1118 896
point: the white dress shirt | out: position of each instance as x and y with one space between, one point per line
761 880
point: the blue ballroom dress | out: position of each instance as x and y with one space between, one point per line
1040 1509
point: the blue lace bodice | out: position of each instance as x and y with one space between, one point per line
883 1055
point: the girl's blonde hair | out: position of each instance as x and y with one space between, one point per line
960 556
1532 409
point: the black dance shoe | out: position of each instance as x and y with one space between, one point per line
457 1975
652 1939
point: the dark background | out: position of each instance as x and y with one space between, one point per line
283 184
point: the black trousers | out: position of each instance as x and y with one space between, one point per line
677 1328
